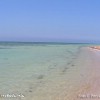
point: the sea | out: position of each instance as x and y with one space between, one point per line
37 70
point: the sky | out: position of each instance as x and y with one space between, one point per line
50 20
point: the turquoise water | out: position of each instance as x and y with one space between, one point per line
27 67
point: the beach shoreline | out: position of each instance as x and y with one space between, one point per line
91 90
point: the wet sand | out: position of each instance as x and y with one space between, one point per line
91 87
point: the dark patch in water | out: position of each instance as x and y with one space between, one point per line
72 65
5 58
30 90
55 64
52 66
68 63
64 70
40 77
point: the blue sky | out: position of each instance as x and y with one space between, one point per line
50 20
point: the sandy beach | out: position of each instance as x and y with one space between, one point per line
91 85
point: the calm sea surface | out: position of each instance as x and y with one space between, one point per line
27 67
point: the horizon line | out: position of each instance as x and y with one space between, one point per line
51 42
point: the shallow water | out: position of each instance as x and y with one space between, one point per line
33 70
